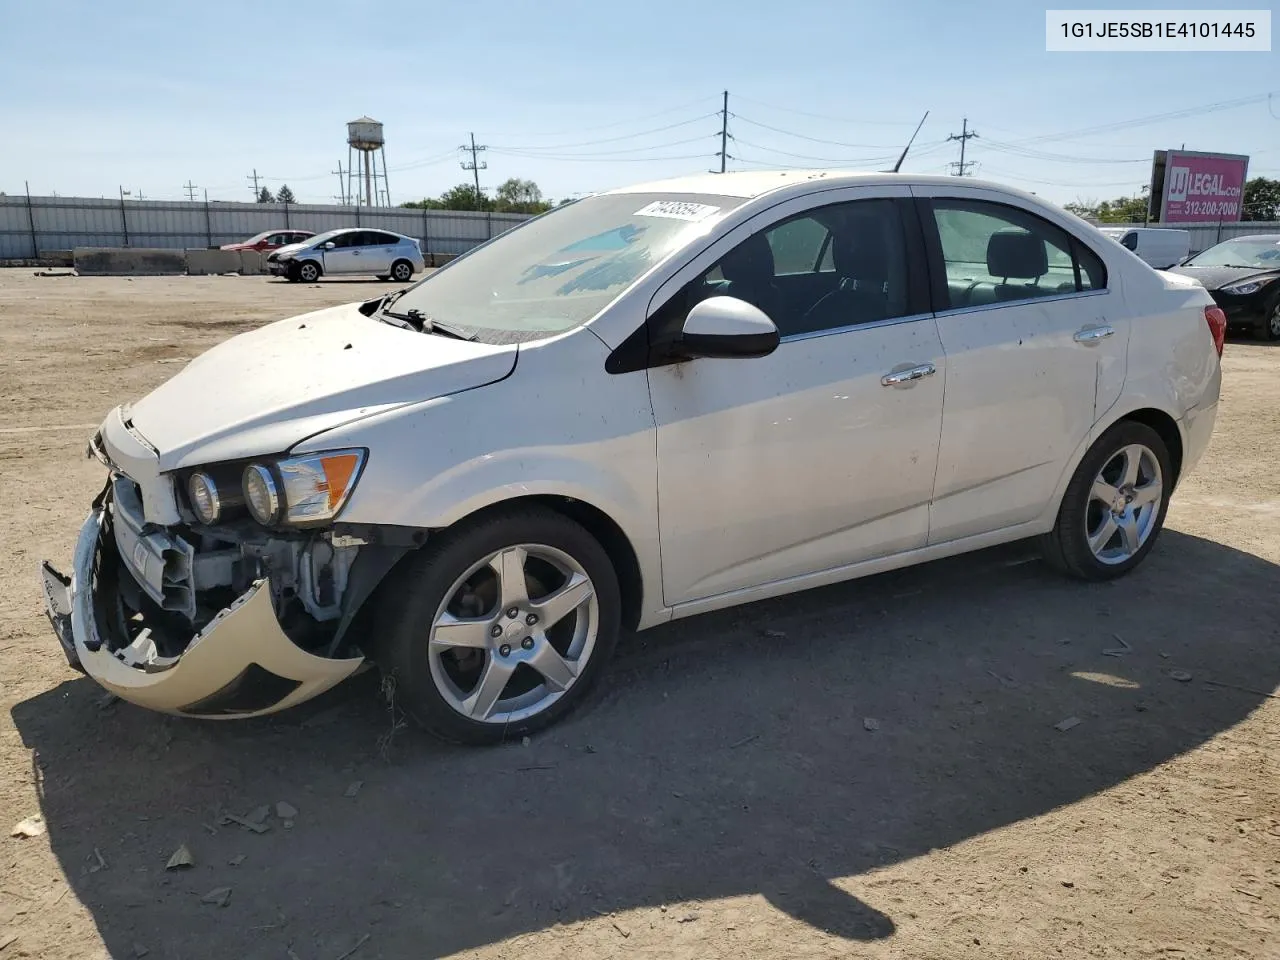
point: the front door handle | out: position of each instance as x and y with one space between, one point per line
901 378
1091 335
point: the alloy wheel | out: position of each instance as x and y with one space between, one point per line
513 634
1124 503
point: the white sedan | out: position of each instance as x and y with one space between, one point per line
647 404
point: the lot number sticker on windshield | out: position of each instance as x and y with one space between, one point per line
677 210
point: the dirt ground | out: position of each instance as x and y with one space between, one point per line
724 794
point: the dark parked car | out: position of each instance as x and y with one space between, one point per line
1243 276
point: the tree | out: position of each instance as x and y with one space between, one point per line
464 197
426 203
285 195
519 196
1122 210
264 196
1261 199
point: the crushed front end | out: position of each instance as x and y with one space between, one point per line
225 619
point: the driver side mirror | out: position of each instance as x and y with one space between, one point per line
727 328
330 245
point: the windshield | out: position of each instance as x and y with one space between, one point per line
322 237
1261 252
559 270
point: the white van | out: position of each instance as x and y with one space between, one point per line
1159 246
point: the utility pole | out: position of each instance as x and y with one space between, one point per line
724 132
191 191
254 178
962 168
342 184
474 165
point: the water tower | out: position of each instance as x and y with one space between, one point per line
367 163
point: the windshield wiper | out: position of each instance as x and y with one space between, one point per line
424 324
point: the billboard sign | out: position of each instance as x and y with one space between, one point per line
1198 187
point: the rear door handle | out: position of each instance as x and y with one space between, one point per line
901 378
1092 335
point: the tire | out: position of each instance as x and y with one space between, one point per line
401 271
1068 546
309 271
1269 329
449 591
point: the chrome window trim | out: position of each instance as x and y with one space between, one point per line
1076 295
851 327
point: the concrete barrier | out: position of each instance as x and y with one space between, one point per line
202 262
128 261
252 262
440 259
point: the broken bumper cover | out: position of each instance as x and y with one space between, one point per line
240 665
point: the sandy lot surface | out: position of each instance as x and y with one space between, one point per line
722 796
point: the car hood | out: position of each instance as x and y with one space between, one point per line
1214 278
291 248
263 391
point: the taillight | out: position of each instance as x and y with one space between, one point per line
1217 321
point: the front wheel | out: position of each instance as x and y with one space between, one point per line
1114 506
500 626
308 272
1269 329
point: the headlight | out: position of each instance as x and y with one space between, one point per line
302 490
203 494
261 494
1244 289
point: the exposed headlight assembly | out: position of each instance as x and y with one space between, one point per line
1244 289
301 491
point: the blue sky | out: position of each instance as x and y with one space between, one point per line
575 95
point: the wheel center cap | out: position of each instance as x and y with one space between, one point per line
515 630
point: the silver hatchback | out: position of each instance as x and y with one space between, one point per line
386 255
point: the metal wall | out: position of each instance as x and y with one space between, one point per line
62 223
1205 235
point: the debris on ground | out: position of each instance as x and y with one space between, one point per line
30 827
1119 651
107 701
248 824
364 938
7 939
286 811
140 951
1004 681
620 928
353 789
687 918
101 864
218 897
776 634
744 741
258 814
1065 725
181 858
870 724
236 860
1180 675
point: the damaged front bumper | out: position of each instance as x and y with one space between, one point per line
241 664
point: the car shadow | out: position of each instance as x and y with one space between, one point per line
774 749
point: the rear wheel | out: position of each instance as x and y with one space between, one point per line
501 626
308 271
1114 506
401 271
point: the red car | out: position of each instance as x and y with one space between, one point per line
270 240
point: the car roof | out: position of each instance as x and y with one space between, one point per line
1256 236
756 183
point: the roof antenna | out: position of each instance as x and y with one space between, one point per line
897 166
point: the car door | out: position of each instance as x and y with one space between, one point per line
1035 343
381 251
345 257
821 454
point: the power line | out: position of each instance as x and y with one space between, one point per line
1154 118
536 155
802 136
805 156
619 123
824 116
628 136
589 159
962 169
